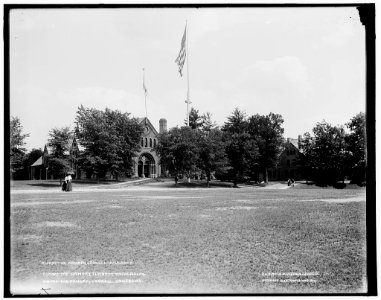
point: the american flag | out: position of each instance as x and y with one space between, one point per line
180 60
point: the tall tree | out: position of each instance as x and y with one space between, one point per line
356 147
17 151
240 148
195 119
59 141
17 137
267 131
307 160
211 151
329 151
208 124
178 150
325 153
110 140
58 167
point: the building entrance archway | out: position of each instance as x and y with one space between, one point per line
146 166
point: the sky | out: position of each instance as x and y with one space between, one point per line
307 64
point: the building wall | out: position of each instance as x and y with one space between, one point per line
287 165
146 161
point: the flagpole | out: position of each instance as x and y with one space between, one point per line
187 58
145 95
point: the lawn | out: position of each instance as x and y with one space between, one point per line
55 184
221 240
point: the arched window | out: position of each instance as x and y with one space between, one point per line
150 142
154 142
142 142
146 143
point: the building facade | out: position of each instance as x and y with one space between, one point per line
147 161
39 169
288 166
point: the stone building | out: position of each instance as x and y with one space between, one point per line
39 169
288 166
147 161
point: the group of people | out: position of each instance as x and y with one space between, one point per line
290 182
66 185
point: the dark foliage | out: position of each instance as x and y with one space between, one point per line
110 140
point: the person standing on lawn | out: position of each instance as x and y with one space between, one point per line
68 183
64 185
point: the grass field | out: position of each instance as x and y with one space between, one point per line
222 240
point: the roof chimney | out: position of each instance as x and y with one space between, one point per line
162 125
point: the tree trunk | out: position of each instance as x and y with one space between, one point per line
235 181
266 176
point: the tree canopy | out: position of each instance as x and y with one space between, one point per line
356 148
17 136
195 119
59 141
178 150
17 141
267 131
109 138
194 149
325 153
241 149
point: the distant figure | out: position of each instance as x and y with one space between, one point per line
176 179
64 185
292 181
289 182
68 183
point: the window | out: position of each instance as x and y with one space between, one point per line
154 142
146 143
142 142
288 163
150 142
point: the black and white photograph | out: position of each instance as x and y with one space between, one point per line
189 150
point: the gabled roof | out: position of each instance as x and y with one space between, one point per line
294 142
143 120
38 162
290 143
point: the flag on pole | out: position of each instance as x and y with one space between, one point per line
144 85
180 60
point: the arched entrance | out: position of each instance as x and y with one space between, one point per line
146 166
